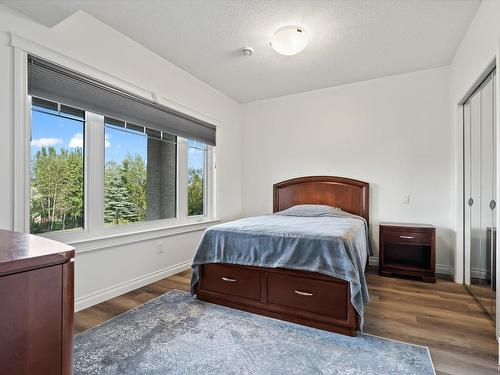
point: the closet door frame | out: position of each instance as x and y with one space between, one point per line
497 175
473 162
464 214
466 165
458 268
458 255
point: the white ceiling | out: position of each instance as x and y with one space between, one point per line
350 40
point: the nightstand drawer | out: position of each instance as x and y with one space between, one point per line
399 236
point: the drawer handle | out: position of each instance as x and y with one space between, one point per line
301 293
228 279
407 237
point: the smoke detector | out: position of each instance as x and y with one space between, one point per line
246 51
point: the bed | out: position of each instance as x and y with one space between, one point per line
304 269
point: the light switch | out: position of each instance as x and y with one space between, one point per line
405 199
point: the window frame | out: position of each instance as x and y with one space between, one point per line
177 184
94 160
85 172
205 185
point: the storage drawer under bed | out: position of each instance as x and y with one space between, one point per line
305 297
327 298
231 280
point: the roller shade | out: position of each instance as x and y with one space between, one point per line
53 82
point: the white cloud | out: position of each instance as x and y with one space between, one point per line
107 142
45 142
118 146
76 141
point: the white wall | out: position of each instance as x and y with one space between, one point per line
84 38
392 132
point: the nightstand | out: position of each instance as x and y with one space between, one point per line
408 249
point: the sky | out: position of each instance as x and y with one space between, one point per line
120 143
59 132
49 130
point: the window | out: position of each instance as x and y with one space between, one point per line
103 161
196 178
140 173
140 170
57 173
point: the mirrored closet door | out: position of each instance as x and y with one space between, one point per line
479 194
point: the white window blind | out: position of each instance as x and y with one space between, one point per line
59 84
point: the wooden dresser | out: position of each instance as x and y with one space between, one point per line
408 249
36 305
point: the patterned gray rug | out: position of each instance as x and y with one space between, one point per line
174 334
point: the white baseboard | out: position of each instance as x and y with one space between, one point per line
373 261
498 341
119 289
442 269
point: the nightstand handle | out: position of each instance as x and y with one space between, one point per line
407 237
229 279
301 293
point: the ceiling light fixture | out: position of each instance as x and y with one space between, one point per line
289 40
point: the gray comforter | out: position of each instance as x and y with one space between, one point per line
333 243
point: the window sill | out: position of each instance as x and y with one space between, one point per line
84 245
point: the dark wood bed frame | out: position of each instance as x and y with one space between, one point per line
307 298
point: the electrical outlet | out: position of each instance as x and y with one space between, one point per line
159 248
405 199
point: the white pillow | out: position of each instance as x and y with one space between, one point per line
310 210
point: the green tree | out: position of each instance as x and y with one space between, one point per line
75 187
117 201
195 192
57 190
134 175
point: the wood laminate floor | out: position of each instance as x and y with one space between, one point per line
442 316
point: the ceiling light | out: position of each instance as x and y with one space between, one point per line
289 40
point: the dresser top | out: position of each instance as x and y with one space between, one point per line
406 225
21 252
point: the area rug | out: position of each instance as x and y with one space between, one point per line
175 334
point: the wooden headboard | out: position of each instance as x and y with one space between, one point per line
345 193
